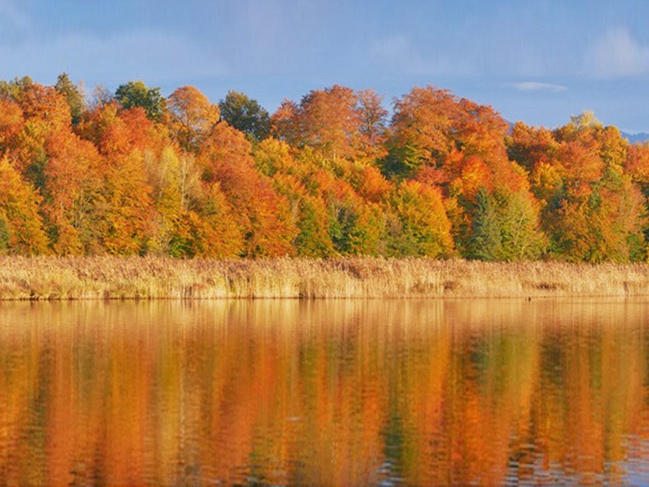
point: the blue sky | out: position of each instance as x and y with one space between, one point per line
536 61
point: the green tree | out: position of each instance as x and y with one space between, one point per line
245 114
5 236
506 227
137 94
73 95
13 89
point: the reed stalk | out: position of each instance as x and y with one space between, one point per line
62 278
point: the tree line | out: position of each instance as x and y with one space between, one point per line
133 172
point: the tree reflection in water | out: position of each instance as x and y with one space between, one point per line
324 393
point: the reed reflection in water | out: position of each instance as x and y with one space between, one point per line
324 393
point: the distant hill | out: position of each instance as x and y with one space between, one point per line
636 138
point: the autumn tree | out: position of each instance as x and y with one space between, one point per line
13 89
373 118
292 179
262 215
273 156
311 216
117 131
128 209
245 115
356 226
420 226
421 126
73 198
45 112
531 146
591 209
196 219
368 181
125 138
100 97
12 122
193 117
325 120
637 166
21 227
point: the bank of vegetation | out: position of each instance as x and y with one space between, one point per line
134 173
63 278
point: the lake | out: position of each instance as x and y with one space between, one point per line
325 393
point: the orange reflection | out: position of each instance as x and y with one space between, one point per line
324 393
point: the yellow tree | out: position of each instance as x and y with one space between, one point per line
21 228
195 217
422 228
193 117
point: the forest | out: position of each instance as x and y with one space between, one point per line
330 175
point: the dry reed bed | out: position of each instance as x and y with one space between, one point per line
164 278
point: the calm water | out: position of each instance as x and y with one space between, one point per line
325 393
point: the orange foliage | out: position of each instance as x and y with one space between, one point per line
192 117
424 118
46 104
72 189
129 205
371 184
529 146
637 163
262 215
22 228
580 162
372 117
474 176
11 123
330 122
187 183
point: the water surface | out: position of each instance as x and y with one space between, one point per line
338 393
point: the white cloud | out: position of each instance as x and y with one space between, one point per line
153 56
617 54
538 86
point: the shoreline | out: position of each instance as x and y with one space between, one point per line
97 278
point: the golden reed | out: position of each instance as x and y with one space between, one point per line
53 278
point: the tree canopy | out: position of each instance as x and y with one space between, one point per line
136 94
245 114
135 173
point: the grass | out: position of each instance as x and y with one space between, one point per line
50 278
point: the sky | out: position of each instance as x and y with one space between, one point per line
535 61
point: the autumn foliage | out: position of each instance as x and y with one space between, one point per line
330 175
